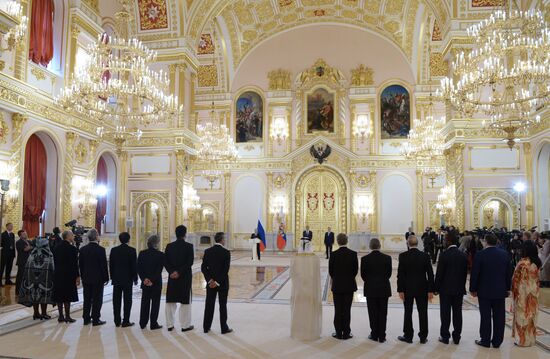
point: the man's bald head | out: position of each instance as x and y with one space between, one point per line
412 241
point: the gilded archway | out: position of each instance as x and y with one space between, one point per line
481 197
162 200
321 201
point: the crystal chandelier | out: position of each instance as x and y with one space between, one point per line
446 200
216 145
507 75
117 88
190 198
425 144
12 18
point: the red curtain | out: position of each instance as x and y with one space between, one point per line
41 40
34 189
101 179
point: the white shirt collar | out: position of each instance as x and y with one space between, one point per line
218 244
451 246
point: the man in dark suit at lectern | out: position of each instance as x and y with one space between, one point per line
329 242
307 233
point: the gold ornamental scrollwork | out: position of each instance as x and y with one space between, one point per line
362 76
279 80
81 152
4 129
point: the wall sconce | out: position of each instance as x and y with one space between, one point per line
84 195
10 185
363 207
211 175
278 207
279 129
190 199
361 127
11 18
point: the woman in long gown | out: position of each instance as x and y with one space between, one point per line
37 286
525 294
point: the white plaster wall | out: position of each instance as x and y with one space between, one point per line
248 201
396 208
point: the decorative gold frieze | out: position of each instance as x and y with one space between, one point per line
438 66
207 75
279 80
362 76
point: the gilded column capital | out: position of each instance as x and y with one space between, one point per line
93 147
17 120
75 31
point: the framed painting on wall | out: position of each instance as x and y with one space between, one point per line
395 112
249 112
320 111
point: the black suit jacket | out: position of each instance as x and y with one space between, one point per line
8 245
491 275
452 270
308 234
150 263
376 272
93 264
415 273
122 265
22 256
343 267
215 265
329 238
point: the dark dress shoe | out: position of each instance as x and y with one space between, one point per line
404 340
37 317
170 329
481 344
155 327
227 331
69 320
126 325
188 328
347 336
371 337
98 323
206 331
46 317
456 341
86 322
61 320
337 336
496 346
443 340
117 325
423 341
382 340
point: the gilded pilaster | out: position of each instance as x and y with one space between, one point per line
182 68
269 176
66 193
180 173
227 202
193 118
75 32
123 156
21 51
14 212
529 177
459 184
419 202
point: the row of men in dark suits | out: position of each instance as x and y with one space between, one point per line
125 267
490 281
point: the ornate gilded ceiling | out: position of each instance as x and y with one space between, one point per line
249 22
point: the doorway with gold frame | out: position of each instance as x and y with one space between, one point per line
321 202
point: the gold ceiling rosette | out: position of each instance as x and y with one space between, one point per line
507 75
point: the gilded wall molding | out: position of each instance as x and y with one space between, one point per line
14 213
70 155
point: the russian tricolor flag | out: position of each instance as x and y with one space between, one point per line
261 235
281 238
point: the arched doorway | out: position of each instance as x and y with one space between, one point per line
149 222
321 202
106 185
40 184
496 213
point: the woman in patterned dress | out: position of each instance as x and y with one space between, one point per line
37 286
525 294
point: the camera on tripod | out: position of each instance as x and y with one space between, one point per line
78 230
